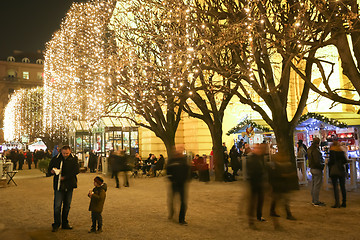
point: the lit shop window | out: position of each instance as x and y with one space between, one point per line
26 75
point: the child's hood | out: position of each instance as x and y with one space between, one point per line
104 186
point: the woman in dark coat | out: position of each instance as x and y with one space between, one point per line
234 160
92 161
336 163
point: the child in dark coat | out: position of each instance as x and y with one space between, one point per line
97 196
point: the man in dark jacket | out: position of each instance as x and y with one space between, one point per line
178 171
64 167
316 164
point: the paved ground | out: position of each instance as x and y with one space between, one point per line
216 211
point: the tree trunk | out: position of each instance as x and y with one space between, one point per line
284 134
169 145
218 153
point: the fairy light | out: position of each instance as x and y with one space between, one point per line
23 115
76 69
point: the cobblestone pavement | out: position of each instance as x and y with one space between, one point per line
215 211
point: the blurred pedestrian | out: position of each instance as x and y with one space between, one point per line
64 167
178 171
283 180
97 198
316 164
256 173
337 173
120 164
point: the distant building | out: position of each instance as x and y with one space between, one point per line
20 70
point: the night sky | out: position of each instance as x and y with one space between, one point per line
26 25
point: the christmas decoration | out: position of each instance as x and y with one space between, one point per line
322 118
249 130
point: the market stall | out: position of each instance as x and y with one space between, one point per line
80 139
330 126
110 133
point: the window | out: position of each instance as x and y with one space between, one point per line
26 75
11 59
40 75
39 61
25 60
11 73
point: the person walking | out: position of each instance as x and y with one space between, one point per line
97 198
316 164
256 173
337 173
120 164
283 180
64 167
178 171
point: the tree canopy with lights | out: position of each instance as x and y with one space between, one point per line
23 115
150 67
76 70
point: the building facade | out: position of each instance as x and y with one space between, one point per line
21 70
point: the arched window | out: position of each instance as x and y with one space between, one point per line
25 60
39 61
11 59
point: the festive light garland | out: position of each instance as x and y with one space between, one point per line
23 115
245 123
322 118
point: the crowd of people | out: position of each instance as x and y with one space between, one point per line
20 157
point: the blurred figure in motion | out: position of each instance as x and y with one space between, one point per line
178 171
283 179
256 172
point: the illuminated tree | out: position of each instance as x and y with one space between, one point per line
160 75
23 115
149 69
261 46
76 67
